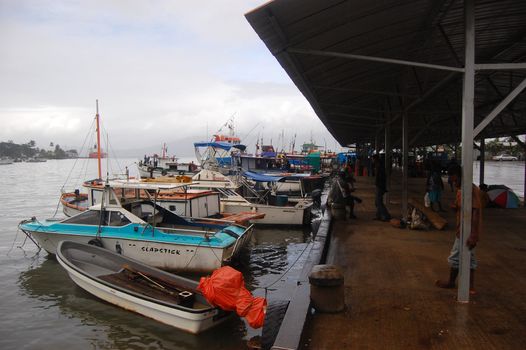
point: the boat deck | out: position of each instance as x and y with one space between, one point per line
391 300
159 290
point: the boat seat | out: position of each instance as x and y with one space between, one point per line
154 220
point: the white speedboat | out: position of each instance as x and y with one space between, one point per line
167 298
146 232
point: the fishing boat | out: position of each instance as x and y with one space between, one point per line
237 195
74 203
5 161
175 196
164 297
156 166
96 153
36 160
146 232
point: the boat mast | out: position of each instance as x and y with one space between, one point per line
98 139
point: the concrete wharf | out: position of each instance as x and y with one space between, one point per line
391 300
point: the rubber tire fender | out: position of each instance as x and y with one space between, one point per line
276 310
96 243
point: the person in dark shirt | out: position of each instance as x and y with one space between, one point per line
453 173
381 188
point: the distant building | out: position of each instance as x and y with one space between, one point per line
72 153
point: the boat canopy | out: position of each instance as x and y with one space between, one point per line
261 177
134 184
222 145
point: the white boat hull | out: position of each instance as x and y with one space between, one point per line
187 321
169 257
68 211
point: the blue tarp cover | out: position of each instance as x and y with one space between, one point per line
223 145
261 177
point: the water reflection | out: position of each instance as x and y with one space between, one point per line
112 327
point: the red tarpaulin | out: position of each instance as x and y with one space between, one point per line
226 289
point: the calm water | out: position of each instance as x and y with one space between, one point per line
510 174
41 308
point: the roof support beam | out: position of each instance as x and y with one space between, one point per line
366 91
500 66
350 106
365 117
423 130
350 123
519 141
372 59
428 94
499 108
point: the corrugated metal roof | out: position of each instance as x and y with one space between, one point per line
355 98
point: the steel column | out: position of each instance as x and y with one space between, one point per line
468 97
482 160
405 167
388 159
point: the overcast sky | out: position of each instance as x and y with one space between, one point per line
163 71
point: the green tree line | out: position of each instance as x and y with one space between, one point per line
29 150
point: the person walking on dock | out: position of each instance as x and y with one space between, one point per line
476 225
381 188
435 186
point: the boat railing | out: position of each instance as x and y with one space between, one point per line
185 230
225 220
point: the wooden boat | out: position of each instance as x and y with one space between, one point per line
174 196
146 232
165 297
74 203
157 166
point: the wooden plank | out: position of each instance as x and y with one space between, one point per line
436 220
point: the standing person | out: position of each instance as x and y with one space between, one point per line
453 172
435 186
381 188
471 243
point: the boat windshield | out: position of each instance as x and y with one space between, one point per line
92 217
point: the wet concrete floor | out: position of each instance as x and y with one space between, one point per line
391 300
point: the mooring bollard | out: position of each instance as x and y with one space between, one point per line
326 288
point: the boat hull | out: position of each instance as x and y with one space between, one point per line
169 257
146 172
193 322
274 215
